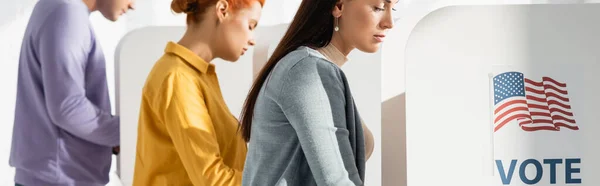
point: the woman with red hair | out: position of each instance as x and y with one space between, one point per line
186 133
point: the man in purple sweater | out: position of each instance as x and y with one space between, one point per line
64 133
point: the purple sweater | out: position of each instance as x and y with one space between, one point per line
63 132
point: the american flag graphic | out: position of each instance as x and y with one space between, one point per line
534 105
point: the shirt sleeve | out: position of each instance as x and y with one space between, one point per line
191 129
64 46
312 99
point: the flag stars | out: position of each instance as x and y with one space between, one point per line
508 85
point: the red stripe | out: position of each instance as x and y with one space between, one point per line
554 81
560 124
508 104
540 114
539 84
554 102
525 122
535 98
561 111
558 117
537 121
550 86
552 94
510 111
538 106
531 129
529 89
509 120
536 91
544 107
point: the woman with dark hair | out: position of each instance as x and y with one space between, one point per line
299 118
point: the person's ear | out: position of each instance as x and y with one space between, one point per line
222 10
338 8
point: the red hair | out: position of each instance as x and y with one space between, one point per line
239 4
195 8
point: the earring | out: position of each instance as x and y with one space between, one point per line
336 28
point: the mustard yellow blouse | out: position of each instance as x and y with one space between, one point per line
186 133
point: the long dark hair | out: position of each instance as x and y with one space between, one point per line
313 27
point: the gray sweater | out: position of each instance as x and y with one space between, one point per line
306 130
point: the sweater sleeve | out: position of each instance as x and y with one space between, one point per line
63 50
312 99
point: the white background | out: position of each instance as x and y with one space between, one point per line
15 13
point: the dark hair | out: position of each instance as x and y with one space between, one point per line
313 27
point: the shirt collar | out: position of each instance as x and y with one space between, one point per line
188 56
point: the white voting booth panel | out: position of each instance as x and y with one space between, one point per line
504 95
363 71
136 54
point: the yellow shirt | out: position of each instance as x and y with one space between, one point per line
186 133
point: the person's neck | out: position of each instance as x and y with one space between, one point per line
333 54
198 44
91 4
339 43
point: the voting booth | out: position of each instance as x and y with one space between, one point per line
504 95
